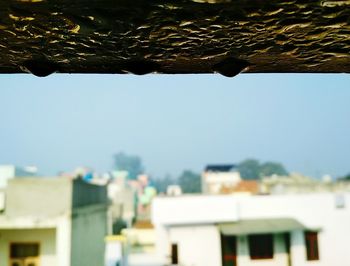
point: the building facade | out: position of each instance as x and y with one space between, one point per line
8 172
53 222
230 230
217 179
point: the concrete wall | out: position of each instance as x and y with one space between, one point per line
202 248
63 240
89 227
45 237
194 209
2 200
213 182
38 197
85 194
6 172
69 205
312 210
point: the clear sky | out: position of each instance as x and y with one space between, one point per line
176 122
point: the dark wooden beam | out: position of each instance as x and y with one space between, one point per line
174 36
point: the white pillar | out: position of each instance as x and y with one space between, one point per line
297 249
162 243
63 241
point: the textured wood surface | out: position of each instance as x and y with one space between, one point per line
182 36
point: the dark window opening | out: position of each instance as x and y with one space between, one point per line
287 243
311 243
24 250
261 246
174 254
229 250
24 254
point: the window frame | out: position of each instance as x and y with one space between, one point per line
174 255
229 250
311 245
259 244
24 260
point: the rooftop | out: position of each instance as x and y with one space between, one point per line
220 168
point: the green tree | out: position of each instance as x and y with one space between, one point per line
190 182
249 169
161 184
346 177
272 168
130 163
252 169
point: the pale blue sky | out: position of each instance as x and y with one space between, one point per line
176 122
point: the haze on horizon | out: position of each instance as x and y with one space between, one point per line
176 122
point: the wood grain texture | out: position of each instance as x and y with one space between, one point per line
174 36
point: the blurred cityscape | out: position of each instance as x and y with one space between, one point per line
249 213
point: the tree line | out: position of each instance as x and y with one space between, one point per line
190 181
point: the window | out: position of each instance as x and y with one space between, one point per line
261 246
174 254
311 243
229 250
340 201
24 254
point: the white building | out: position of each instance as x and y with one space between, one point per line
279 230
296 183
217 178
53 222
173 190
122 199
8 172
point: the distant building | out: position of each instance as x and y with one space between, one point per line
140 245
174 190
243 186
274 230
144 192
299 184
8 172
123 204
216 179
53 222
115 252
